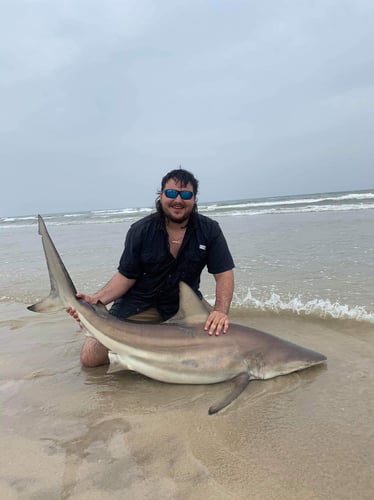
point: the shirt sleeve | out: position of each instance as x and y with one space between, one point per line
219 258
130 262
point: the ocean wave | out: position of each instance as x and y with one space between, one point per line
234 212
17 219
74 215
122 211
282 202
315 308
320 202
321 308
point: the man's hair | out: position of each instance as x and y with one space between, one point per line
182 177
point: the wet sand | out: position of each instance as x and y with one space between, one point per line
67 432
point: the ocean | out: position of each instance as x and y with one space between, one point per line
304 255
304 271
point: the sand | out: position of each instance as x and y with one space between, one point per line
68 432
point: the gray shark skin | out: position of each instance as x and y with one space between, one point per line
177 351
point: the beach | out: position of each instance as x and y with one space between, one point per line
69 432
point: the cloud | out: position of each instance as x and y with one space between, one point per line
99 101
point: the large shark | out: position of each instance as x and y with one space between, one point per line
177 351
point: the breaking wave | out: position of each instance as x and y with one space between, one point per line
321 308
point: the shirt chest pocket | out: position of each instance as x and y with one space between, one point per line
194 262
154 262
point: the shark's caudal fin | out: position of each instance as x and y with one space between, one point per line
192 310
62 286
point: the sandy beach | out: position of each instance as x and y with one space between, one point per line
67 432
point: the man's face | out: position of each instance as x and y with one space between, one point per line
177 210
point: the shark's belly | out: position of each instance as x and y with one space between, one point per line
184 371
180 365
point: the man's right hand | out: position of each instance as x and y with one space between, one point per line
88 298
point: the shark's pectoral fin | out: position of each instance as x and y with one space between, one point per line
240 383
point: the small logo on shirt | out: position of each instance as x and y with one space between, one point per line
202 247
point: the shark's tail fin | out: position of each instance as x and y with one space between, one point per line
62 286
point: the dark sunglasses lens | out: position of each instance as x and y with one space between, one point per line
186 195
171 193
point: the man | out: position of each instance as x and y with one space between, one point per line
172 245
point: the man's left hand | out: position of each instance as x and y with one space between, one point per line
217 322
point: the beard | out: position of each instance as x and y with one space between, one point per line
178 220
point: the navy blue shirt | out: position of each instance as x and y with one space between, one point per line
147 259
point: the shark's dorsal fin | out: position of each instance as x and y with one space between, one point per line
192 310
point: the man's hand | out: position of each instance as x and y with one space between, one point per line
88 298
217 322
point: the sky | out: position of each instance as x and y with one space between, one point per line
99 100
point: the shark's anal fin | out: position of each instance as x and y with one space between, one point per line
240 383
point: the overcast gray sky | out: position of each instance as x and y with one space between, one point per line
257 98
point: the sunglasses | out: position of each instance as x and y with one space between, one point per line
173 193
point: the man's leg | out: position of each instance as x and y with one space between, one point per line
95 354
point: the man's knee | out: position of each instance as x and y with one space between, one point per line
93 353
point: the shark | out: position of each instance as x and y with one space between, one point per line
179 350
